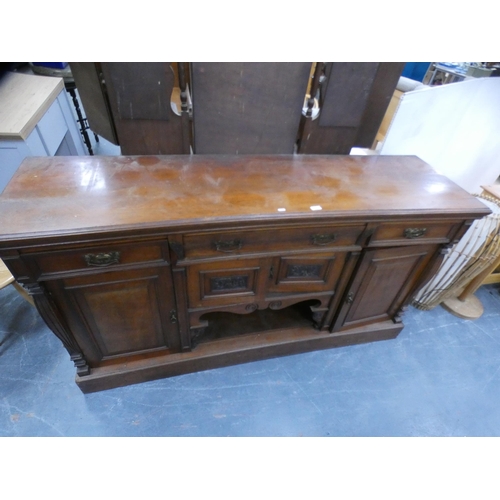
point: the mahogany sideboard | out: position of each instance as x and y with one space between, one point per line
152 266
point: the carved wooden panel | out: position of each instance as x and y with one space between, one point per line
235 281
304 271
228 283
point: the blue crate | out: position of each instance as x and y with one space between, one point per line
53 65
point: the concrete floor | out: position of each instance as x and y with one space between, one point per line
440 377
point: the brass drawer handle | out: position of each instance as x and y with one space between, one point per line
228 246
414 232
102 259
322 239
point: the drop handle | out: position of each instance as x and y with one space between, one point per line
228 246
414 232
322 239
102 259
350 298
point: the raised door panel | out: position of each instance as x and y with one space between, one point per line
382 283
120 313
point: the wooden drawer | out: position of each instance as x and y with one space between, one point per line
412 233
220 244
98 257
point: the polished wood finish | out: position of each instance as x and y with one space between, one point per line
149 266
382 282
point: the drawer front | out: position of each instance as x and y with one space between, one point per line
98 257
312 238
412 232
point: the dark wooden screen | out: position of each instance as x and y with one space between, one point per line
88 81
247 108
140 95
353 100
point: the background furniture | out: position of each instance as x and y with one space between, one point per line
353 98
491 275
247 108
7 279
463 268
466 305
236 108
404 85
62 70
454 72
144 265
140 97
455 128
89 81
416 70
35 120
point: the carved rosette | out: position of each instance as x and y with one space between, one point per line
54 320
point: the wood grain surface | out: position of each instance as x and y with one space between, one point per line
87 194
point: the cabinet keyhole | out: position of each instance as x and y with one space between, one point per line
271 273
173 316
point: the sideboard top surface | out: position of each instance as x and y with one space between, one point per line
67 195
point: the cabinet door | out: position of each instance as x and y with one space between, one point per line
226 282
305 273
120 313
382 284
